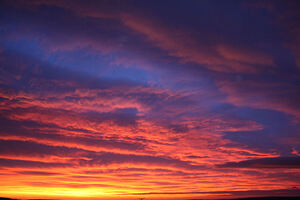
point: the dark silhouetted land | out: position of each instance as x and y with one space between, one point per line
261 198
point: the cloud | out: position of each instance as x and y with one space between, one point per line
93 95
188 49
241 193
51 133
269 163
38 173
121 117
11 163
285 16
189 46
257 93
111 158
244 55
32 149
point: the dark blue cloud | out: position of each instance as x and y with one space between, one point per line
270 163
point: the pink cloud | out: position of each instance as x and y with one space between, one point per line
280 97
182 44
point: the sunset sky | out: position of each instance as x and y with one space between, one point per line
123 99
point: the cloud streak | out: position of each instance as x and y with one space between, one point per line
277 162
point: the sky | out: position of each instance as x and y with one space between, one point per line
114 99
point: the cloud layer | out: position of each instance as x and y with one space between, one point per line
173 100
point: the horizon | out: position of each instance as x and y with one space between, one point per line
153 100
